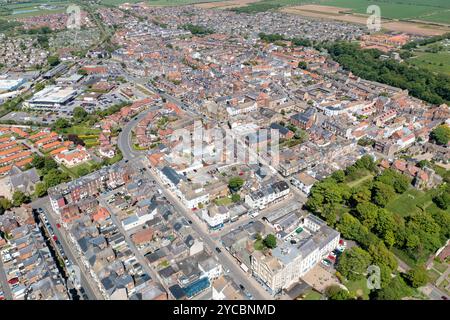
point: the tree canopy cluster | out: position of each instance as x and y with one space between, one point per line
197 29
441 134
422 84
278 37
51 175
360 213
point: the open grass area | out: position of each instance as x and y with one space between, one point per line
258 245
225 201
82 130
432 275
79 170
438 62
411 201
358 182
31 8
406 258
359 288
441 267
313 295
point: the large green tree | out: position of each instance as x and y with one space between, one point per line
353 263
417 277
382 193
235 183
441 134
270 241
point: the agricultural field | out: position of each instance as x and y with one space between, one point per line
436 11
169 2
32 8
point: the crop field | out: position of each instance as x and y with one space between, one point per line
436 11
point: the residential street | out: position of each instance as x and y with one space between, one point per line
87 283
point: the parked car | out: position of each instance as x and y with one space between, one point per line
218 250
326 262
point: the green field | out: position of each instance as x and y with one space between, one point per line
359 288
31 8
412 201
431 10
436 62
156 2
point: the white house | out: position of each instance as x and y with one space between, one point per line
260 198
210 268
215 216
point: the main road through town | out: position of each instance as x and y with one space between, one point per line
227 261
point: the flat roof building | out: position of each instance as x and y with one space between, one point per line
52 97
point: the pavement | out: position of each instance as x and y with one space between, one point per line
86 281
4 282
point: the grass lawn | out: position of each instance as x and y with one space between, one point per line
139 148
359 287
409 202
404 257
74 172
441 267
225 201
81 130
313 295
432 275
357 182
435 62
443 285
258 245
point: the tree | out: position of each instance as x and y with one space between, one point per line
270 241
5 204
338 176
442 200
398 181
303 65
55 177
353 263
396 290
61 123
382 256
19 198
53 60
79 113
441 134
40 189
38 162
417 277
335 292
235 197
365 162
75 139
367 213
382 193
359 195
385 223
49 164
235 183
